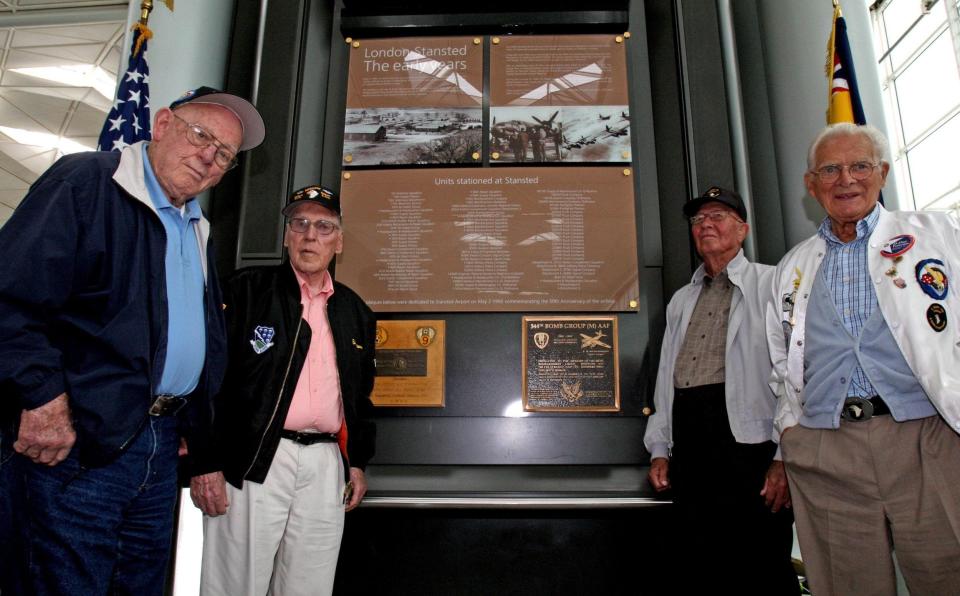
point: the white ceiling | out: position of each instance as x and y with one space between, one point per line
44 33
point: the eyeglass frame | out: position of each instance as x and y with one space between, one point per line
715 217
848 167
220 145
316 224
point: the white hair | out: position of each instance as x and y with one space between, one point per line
881 147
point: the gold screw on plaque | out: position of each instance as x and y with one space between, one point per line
619 39
356 44
647 411
634 304
346 175
348 158
626 35
625 154
626 171
476 41
495 40
476 155
348 40
495 155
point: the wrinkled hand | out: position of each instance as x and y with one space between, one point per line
46 433
659 473
209 493
359 481
776 491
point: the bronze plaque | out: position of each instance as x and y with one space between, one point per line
510 239
410 364
413 101
570 364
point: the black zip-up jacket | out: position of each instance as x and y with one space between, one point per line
251 408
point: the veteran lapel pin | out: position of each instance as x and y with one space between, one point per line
932 278
897 245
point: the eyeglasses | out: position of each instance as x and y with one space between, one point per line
300 225
714 217
860 170
199 136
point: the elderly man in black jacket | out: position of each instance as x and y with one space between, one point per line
300 374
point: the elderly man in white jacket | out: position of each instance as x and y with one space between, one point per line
711 438
864 338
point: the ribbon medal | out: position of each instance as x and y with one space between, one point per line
932 278
897 245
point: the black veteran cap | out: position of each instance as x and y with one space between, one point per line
248 115
320 195
716 194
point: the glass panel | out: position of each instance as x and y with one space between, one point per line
929 88
920 34
933 164
898 16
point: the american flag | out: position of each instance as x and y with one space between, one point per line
129 119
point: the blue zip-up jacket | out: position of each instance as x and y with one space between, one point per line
83 303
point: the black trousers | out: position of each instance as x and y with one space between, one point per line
729 540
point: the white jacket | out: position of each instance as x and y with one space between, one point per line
750 402
934 357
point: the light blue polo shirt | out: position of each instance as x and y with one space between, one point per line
186 331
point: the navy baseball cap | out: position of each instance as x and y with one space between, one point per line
320 195
715 194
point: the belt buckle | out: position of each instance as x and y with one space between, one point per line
166 404
857 409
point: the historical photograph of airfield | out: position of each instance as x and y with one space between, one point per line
555 133
395 136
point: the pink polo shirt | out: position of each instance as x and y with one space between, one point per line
316 400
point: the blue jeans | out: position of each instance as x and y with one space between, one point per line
11 496
103 530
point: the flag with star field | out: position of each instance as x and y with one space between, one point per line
129 119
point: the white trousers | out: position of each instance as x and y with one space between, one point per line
281 537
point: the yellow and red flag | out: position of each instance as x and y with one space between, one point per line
844 101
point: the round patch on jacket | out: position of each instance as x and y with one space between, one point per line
932 278
937 317
897 245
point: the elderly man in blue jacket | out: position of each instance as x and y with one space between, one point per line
113 345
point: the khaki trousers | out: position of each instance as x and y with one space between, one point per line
281 537
871 487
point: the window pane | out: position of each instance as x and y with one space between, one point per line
920 34
898 16
929 88
933 164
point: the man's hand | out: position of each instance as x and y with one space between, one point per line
359 481
658 475
209 493
46 433
776 491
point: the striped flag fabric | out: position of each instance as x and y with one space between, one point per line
844 100
129 119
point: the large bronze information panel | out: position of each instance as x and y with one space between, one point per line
513 239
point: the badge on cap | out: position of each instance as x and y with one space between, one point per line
937 317
932 278
897 245
262 339
713 193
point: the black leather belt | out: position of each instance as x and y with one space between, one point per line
858 409
308 438
166 405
